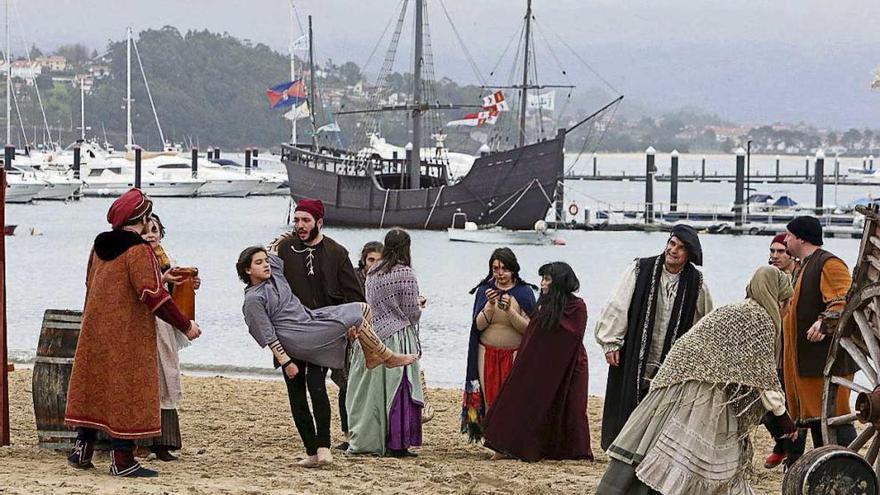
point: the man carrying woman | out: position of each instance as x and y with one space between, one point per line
276 318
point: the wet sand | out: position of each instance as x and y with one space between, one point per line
239 438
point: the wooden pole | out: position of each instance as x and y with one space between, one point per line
649 184
739 198
673 183
4 361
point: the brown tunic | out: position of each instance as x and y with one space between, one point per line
821 285
114 384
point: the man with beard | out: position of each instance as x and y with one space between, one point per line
320 274
658 301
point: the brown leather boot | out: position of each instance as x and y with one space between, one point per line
123 463
375 351
81 455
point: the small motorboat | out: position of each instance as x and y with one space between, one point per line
464 231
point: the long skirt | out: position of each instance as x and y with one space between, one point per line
495 364
680 440
385 404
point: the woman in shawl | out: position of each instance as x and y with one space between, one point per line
690 434
502 304
541 410
385 405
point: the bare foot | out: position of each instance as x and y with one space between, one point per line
498 456
324 456
309 462
397 360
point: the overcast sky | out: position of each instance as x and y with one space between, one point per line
754 61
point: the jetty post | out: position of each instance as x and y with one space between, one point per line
649 184
137 166
247 161
703 168
777 168
77 161
210 154
673 191
820 181
195 162
807 167
8 156
254 154
4 359
871 163
595 168
217 153
740 186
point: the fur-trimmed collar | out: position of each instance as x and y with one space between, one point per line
109 245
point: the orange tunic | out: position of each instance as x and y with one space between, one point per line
803 395
114 384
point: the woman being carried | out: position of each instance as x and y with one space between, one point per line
502 304
690 434
276 318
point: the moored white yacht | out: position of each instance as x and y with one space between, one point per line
273 183
21 187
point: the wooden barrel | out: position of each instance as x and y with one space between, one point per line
52 366
830 469
184 294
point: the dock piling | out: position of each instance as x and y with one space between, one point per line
247 161
137 166
673 182
77 161
738 201
195 162
649 184
820 181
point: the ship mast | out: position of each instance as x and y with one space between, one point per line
292 67
415 158
8 83
129 139
312 93
525 79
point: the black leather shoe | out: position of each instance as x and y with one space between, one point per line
342 446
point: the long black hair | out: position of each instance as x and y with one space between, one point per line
244 262
396 251
508 259
370 247
563 284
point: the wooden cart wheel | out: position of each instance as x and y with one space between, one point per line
857 335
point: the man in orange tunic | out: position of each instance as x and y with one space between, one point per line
820 288
114 384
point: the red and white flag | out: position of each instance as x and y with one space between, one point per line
492 106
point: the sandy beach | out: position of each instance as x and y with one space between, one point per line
239 438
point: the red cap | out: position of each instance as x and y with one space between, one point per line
132 205
780 238
312 206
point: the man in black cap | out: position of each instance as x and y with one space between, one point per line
820 287
658 300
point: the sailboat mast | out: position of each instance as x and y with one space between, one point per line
312 93
525 80
415 159
8 82
292 67
129 139
82 109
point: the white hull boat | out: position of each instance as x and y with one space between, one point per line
21 188
464 231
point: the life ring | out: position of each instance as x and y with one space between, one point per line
573 209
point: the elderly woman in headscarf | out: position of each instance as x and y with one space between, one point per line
690 435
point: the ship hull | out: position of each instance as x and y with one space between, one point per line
513 189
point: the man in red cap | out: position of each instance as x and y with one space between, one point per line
780 257
320 273
783 447
114 384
